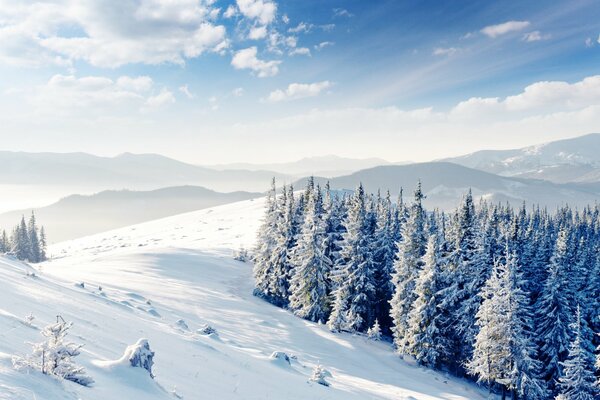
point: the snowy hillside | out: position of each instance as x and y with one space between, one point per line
561 161
165 279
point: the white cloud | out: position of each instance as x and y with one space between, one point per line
237 92
322 45
246 59
257 33
163 98
598 40
106 34
300 51
96 95
230 12
296 91
549 96
589 42
494 31
341 12
285 19
448 51
261 10
535 36
302 27
186 91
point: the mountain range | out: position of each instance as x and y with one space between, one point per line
78 215
562 161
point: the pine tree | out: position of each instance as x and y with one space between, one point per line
425 341
309 296
4 243
554 313
577 380
43 244
55 355
265 244
34 243
407 268
374 332
384 252
285 240
504 351
21 245
356 270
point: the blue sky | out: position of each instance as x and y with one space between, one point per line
211 81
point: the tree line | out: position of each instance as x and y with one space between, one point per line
508 297
27 241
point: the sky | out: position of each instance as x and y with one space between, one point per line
219 81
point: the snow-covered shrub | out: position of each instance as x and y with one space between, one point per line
374 332
207 330
241 255
54 355
281 356
29 319
319 374
139 355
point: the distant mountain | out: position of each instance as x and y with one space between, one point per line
126 171
445 183
76 216
328 166
562 161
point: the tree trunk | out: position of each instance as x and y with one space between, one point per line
503 393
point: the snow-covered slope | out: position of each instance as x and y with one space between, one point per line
562 161
164 279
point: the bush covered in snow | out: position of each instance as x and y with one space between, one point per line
241 255
207 330
319 374
54 355
281 356
139 355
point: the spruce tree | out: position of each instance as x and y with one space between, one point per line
554 313
425 340
309 295
577 379
356 293
32 232
406 270
265 244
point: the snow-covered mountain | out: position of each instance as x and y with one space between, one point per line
328 166
85 173
445 184
81 215
165 279
562 161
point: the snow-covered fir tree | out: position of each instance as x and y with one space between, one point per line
54 356
577 381
309 288
265 244
407 268
356 269
374 332
425 340
554 314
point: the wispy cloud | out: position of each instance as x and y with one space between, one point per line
535 36
445 51
186 91
342 12
322 45
494 31
296 91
